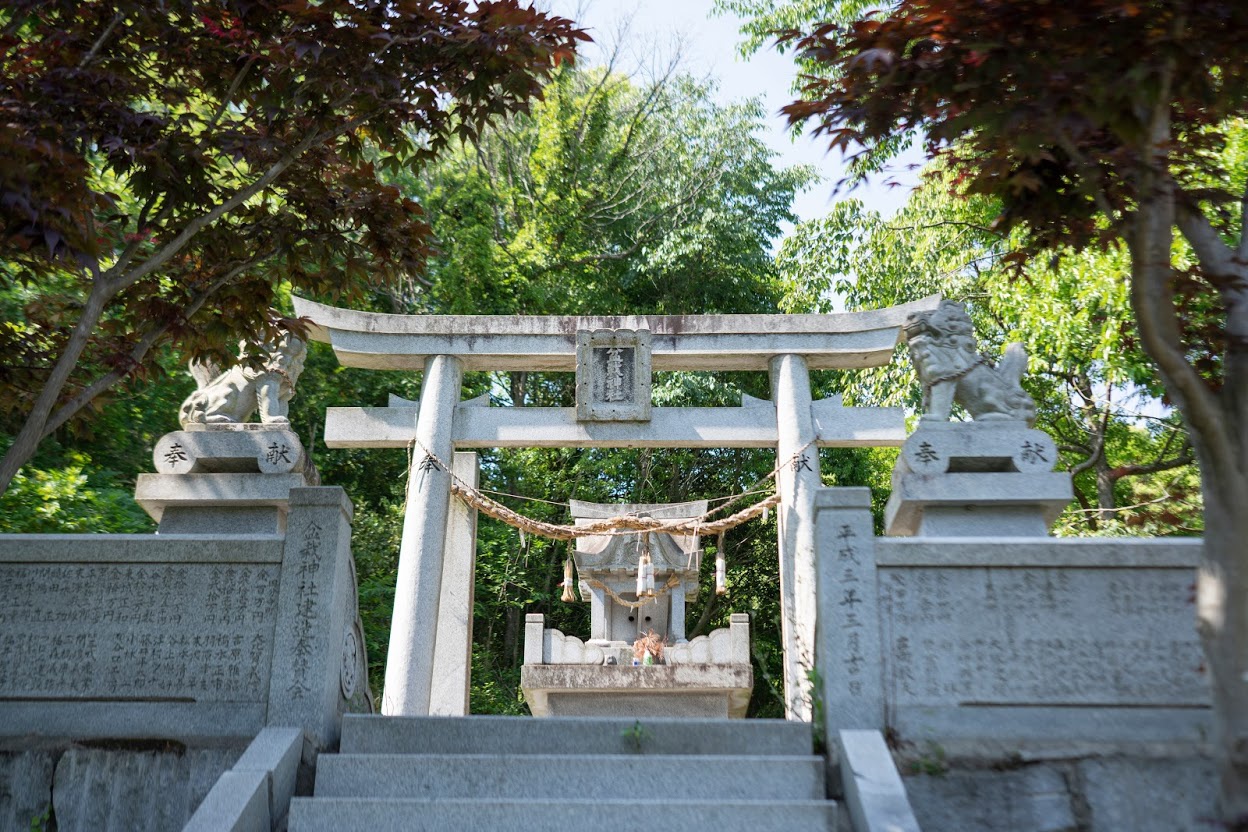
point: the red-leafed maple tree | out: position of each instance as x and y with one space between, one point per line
1096 121
166 167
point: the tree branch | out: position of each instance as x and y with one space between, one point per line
67 411
99 42
1185 457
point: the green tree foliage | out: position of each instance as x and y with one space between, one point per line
164 168
1096 123
1098 395
609 196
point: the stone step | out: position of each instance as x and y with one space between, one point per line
556 777
545 815
364 734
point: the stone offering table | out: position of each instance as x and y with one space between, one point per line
707 677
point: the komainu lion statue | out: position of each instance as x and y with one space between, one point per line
943 350
232 396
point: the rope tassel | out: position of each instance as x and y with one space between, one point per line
568 595
645 570
721 568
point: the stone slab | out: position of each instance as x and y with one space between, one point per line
74 718
25 787
164 632
706 690
871 787
1041 727
312 665
572 735
688 342
848 634
238 802
156 492
556 777
275 752
1176 795
98 790
975 636
971 504
269 451
538 815
1033 799
1100 553
113 549
940 447
613 375
668 427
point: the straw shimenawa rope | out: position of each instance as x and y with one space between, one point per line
625 524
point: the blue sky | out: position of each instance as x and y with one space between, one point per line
656 27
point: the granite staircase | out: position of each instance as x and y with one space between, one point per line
520 773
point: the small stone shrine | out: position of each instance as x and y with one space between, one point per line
637 584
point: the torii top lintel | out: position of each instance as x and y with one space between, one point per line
372 340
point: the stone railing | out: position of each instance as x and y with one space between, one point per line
543 645
730 645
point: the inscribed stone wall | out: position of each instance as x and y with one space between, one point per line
1042 640
1030 636
137 631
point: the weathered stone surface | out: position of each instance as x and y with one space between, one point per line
681 342
1035 636
555 777
238 802
318 608
545 815
521 736
976 504
112 633
231 497
1178 795
451 686
240 391
871 788
849 622
1033 799
97 790
950 367
706 690
139 636
25 787
669 427
275 752
418 587
613 375
968 447
227 449
797 480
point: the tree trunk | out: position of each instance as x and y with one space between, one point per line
32 433
1106 502
1219 435
1222 618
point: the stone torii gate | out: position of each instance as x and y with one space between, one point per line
613 358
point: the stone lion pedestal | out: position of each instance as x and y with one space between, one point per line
971 479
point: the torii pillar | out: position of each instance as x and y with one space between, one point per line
418 588
797 479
